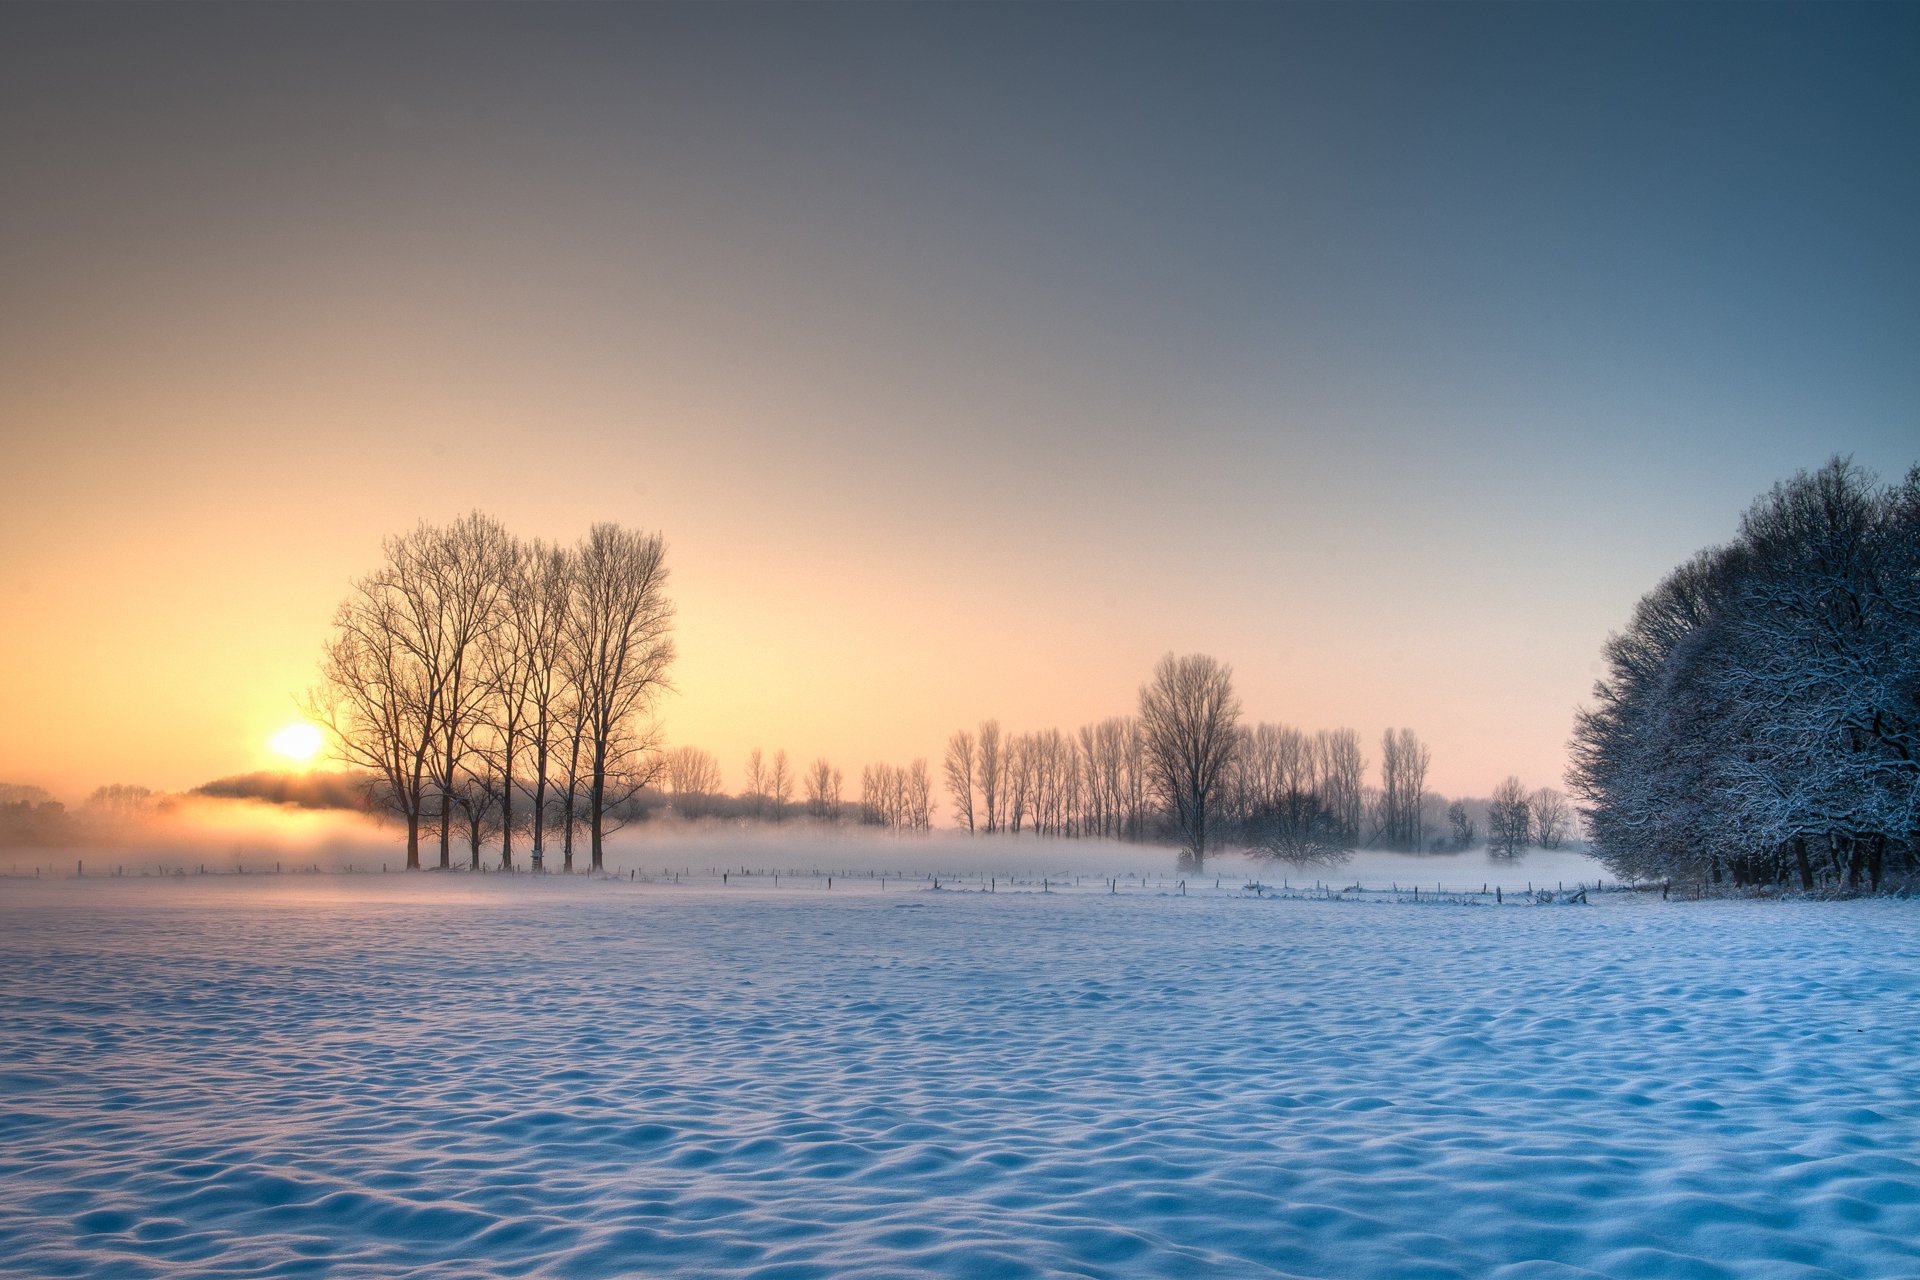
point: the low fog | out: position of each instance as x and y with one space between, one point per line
195 834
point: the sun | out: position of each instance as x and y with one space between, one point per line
298 743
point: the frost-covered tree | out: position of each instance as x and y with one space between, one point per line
1760 715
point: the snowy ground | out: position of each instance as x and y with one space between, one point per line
384 1075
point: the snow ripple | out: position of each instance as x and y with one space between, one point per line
604 1081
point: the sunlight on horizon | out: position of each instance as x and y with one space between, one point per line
298 744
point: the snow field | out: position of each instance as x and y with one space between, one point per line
361 1076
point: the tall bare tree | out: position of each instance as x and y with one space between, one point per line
538 596
507 661
462 568
1403 787
1189 718
992 765
757 779
780 785
959 768
383 679
619 635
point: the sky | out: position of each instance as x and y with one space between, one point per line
968 357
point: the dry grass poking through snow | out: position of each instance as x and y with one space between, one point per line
362 1078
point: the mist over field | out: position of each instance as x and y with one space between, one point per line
230 837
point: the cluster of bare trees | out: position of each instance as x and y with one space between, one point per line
1090 783
1760 718
899 799
1403 784
496 685
690 778
1185 768
1516 821
1296 795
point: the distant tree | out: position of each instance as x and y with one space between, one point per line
823 792
1403 778
1018 781
1551 818
918 808
992 759
779 785
121 802
1341 770
758 782
1189 720
692 779
959 770
1509 820
1460 820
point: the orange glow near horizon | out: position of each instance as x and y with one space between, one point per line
959 386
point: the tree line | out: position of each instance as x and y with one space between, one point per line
1759 719
492 688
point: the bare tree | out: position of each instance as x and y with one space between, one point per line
1189 719
1342 769
571 755
992 762
1551 818
1461 822
918 808
382 680
619 637
1403 781
693 779
959 765
507 662
462 568
780 785
757 780
477 802
1017 781
1509 820
538 596
823 792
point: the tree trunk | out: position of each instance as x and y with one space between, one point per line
1806 867
596 807
506 807
540 811
413 838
